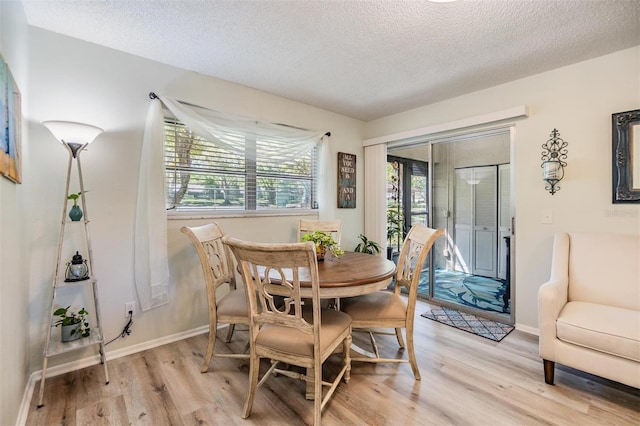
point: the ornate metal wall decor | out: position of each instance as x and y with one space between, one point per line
625 128
554 152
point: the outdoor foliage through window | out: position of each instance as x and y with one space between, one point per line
201 175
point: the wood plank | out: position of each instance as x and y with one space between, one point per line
466 379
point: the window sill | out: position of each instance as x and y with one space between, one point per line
189 215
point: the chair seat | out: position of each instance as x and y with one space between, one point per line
294 342
381 305
233 303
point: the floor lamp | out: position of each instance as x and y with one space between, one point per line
75 137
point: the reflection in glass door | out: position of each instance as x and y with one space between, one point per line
471 201
407 198
467 182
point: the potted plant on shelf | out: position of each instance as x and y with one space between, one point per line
73 325
367 246
75 213
324 241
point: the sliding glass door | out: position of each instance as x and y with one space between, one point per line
470 196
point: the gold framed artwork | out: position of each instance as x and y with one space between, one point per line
346 181
10 125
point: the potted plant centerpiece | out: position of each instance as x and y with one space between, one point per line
73 325
324 241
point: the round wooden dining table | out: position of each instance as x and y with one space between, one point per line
351 274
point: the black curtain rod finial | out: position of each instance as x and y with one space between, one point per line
328 134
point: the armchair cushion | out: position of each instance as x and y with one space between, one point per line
581 323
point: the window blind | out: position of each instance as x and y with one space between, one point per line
202 175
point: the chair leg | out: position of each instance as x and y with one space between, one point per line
346 352
210 347
412 354
549 370
254 369
232 327
317 400
399 337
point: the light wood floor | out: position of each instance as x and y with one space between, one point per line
466 380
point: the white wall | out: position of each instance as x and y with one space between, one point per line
14 301
578 100
78 81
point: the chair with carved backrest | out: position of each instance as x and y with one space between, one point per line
388 309
284 330
217 267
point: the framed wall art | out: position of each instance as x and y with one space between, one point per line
626 156
346 181
10 125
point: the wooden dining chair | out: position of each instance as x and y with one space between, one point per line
333 227
282 330
387 309
218 270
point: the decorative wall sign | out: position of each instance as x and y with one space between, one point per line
346 181
10 126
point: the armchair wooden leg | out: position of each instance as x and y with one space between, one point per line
549 368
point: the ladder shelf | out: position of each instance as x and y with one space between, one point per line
53 345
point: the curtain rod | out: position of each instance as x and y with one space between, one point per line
152 95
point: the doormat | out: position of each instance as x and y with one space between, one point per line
492 330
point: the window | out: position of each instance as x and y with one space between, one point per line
202 175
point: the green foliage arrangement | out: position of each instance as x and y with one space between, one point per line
367 246
68 317
324 240
75 197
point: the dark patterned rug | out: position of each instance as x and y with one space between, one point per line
482 327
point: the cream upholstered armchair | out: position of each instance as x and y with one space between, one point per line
589 310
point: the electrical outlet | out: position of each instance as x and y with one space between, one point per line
129 307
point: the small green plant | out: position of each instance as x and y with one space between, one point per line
324 240
75 197
367 246
68 317
395 226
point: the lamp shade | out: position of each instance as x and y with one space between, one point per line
71 132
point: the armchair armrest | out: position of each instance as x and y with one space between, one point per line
553 295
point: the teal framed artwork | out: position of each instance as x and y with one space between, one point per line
10 125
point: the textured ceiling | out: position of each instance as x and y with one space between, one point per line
363 59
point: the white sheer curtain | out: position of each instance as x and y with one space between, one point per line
327 188
375 201
227 130
150 233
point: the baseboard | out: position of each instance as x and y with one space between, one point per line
94 360
528 329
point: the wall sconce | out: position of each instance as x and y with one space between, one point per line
553 154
